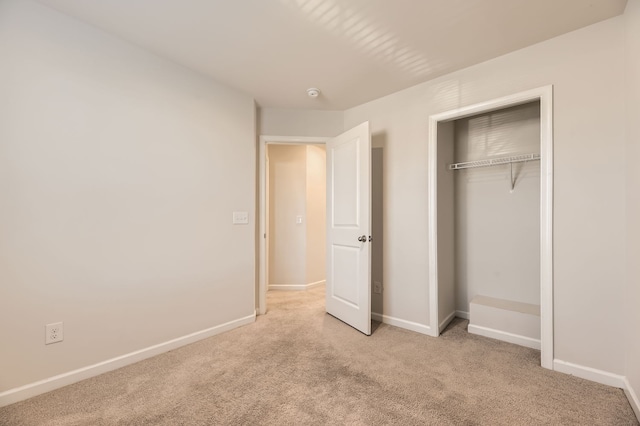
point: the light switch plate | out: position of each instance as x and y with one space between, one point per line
298 220
240 218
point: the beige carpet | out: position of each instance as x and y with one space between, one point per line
299 366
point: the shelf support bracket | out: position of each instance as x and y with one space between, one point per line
513 182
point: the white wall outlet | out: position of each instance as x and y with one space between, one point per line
54 333
377 287
240 218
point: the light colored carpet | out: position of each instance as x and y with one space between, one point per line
298 365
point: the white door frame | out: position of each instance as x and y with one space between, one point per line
545 96
262 172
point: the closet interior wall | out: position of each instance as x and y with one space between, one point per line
489 233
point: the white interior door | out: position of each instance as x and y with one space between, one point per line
348 290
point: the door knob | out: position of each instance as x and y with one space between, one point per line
362 239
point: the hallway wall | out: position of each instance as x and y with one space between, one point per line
297 187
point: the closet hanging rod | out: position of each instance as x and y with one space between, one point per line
494 161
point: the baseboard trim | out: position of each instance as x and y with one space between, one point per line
295 287
397 322
504 336
463 315
32 389
632 396
445 322
588 373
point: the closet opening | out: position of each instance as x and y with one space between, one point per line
490 220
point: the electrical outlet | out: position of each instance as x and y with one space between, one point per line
54 333
377 287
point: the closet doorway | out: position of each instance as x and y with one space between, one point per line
490 219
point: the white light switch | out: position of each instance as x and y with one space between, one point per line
240 218
298 220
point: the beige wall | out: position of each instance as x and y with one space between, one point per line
316 213
497 230
299 122
632 324
586 69
115 203
287 200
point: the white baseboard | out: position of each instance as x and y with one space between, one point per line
397 322
463 315
316 284
295 287
632 396
447 320
589 373
504 336
32 389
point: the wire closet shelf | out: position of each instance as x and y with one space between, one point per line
495 161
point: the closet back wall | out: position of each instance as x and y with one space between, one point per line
497 229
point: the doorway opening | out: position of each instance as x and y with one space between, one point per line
292 214
447 262
349 239
296 210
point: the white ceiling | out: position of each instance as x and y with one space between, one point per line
352 50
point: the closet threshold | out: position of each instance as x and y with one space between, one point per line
494 161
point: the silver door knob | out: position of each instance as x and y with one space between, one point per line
362 239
